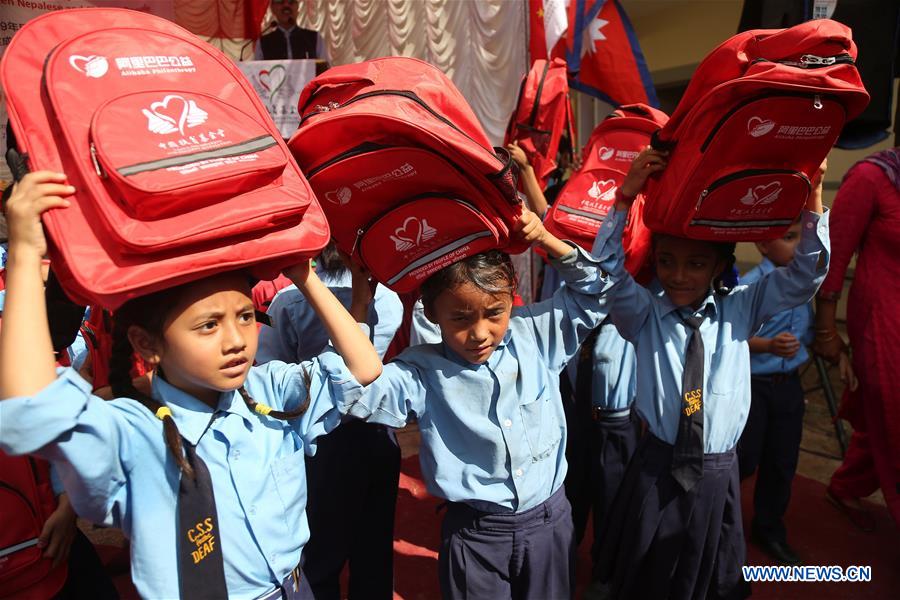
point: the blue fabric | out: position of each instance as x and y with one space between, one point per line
615 370
653 324
494 434
796 321
297 333
117 470
422 331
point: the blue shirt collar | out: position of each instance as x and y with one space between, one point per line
192 416
766 266
708 308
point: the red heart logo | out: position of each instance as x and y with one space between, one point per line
263 79
603 190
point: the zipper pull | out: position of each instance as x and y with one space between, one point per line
817 61
359 234
97 168
817 102
703 195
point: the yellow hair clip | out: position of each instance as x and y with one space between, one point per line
262 409
162 412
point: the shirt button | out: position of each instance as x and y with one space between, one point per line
253 509
507 423
236 454
579 264
809 225
518 472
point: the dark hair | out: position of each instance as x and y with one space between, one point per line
149 313
727 278
330 261
492 272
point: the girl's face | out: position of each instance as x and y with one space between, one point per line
686 268
210 338
472 321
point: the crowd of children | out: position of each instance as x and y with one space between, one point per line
518 408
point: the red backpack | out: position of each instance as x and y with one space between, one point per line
179 171
589 194
405 172
26 501
758 117
542 112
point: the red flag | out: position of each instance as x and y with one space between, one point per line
546 26
605 56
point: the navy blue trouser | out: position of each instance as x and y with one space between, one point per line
497 556
771 443
352 495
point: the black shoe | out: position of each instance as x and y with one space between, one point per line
778 550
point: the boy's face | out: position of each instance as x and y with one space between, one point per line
781 251
686 268
472 321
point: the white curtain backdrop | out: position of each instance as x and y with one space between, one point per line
481 45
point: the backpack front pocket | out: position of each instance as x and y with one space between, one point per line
164 153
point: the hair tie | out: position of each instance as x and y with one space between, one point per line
162 412
262 409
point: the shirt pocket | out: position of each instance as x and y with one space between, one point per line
729 369
542 427
289 475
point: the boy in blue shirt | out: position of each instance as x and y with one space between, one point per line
771 438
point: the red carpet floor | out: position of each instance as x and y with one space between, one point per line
816 530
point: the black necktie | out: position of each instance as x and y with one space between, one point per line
687 460
201 570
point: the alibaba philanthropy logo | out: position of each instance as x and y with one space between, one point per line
174 113
758 127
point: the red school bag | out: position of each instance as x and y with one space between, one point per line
758 117
179 171
26 501
543 111
589 194
407 176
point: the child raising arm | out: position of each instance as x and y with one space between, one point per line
205 475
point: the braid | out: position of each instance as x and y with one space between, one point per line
266 410
123 387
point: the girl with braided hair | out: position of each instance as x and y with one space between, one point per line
205 473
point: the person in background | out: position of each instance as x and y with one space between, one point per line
288 40
352 479
771 438
866 220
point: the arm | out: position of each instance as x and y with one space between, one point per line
392 398
349 340
790 286
536 200
854 207
28 365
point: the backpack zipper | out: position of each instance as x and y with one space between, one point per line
811 61
744 173
322 108
816 98
537 98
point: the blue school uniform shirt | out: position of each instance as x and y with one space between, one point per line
494 434
114 463
615 370
796 321
297 332
656 328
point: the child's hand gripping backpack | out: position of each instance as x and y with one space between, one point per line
406 174
179 171
26 501
590 192
758 117
542 113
